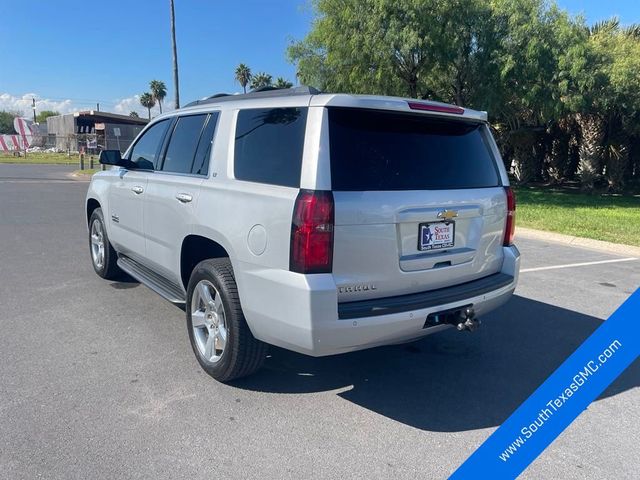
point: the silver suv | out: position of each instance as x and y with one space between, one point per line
320 223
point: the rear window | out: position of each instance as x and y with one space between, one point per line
375 150
183 144
269 144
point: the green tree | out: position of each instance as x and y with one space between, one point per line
148 102
386 55
6 122
159 90
260 80
531 40
281 82
601 85
621 112
43 115
562 97
243 76
134 114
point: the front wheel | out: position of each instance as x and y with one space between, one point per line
103 256
218 331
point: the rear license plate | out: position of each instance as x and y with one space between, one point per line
435 236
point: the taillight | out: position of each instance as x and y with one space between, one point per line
510 227
312 233
436 108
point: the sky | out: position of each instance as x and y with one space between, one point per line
71 54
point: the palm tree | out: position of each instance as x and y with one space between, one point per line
148 102
282 83
592 130
158 90
561 138
175 56
243 76
592 122
260 80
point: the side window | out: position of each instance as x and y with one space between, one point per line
203 153
269 144
146 150
183 144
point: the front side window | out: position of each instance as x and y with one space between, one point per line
183 144
269 144
145 152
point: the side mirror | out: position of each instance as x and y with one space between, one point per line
111 157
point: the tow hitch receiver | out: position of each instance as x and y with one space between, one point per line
463 318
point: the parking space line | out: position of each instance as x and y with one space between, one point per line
50 180
583 264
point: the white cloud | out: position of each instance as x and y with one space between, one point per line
23 104
124 106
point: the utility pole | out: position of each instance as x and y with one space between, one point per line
33 103
175 56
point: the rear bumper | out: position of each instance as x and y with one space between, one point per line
301 312
420 301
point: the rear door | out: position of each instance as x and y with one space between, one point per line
173 192
419 203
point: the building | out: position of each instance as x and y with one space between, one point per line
92 131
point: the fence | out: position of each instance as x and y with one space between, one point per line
88 143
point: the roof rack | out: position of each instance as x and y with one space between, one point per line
263 92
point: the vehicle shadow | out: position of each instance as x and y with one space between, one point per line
124 282
449 381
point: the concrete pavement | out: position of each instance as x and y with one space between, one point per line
97 378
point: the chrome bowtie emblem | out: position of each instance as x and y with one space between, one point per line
447 214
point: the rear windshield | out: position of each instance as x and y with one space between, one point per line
376 150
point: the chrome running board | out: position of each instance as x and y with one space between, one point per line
155 282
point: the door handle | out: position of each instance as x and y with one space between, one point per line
184 197
137 189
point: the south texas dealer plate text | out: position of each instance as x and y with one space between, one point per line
436 235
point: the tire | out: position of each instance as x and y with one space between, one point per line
219 335
103 256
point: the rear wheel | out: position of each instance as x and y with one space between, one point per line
103 255
218 331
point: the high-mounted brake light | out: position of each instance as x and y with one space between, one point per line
436 108
312 232
510 227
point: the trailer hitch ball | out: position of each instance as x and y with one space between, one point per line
467 320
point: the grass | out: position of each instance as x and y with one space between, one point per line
46 158
602 217
86 171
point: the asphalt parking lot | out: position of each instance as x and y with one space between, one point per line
97 378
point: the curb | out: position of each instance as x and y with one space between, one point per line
79 177
599 245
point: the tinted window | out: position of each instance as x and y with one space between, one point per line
183 144
374 150
269 145
201 161
145 151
